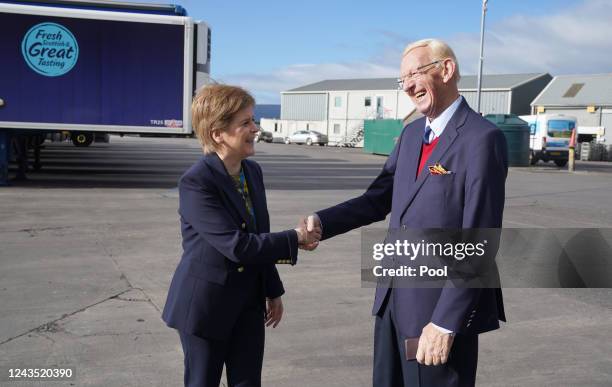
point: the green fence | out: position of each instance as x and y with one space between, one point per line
380 136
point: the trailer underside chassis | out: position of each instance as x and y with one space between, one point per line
15 146
82 139
5 144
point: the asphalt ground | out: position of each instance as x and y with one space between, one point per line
89 243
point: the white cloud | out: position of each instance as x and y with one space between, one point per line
572 40
267 87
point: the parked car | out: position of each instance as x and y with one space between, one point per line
307 137
263 135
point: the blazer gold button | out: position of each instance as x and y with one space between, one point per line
243 225
240 269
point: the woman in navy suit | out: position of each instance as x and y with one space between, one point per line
226 286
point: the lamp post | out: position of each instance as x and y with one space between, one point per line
482 27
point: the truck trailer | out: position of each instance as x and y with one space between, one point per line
92 68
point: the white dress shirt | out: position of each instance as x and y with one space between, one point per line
438 124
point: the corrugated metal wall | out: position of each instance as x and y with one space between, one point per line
583 117
491 102
606 122
304 107
523 95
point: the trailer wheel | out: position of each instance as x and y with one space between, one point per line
82 139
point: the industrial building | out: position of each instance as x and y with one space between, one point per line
586 97
338 107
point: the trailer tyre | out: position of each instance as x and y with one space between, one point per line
82 139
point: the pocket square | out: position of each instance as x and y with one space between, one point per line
438 169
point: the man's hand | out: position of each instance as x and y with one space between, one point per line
274 311
309 232
434 346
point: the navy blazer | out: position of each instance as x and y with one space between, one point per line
472 196
226 257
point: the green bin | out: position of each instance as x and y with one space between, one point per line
380 136
516 132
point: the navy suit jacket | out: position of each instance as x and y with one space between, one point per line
472 197
226 257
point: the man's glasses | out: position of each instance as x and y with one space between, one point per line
421 70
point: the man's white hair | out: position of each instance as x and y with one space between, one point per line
439 51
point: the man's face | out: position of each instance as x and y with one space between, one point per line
426 87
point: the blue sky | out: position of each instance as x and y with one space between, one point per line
271 46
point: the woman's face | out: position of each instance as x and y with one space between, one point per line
238 141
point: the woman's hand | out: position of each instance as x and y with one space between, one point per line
309 234
274 311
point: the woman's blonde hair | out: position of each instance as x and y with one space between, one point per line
213 108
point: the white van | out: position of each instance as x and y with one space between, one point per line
550 136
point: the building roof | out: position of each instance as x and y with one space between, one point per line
499 81
577 90
467 82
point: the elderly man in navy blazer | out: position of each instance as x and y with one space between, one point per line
447 320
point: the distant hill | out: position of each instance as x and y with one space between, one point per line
266 111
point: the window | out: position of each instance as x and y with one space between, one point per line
337 101
380 110
560 128
336 128
368 101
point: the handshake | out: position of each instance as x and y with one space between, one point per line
309 232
